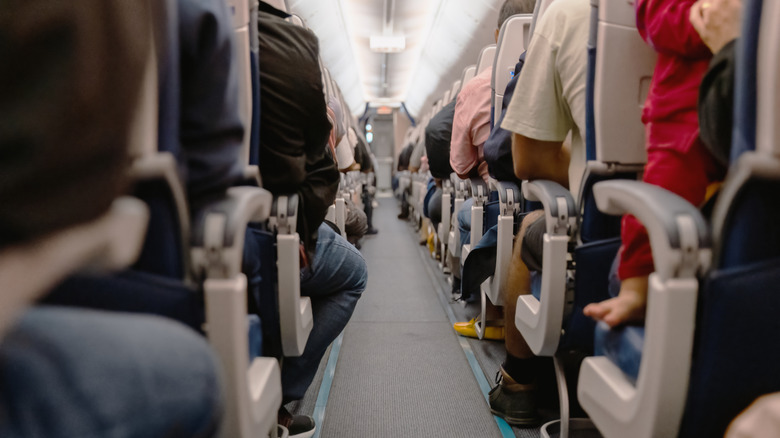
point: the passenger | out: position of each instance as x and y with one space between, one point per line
676 158
471 123
365 159
403 165
438 135
69 105
294 158
548 104
718 26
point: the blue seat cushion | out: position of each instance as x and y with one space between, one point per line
736 354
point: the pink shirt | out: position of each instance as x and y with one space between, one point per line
471 126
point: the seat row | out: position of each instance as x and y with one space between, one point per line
699 359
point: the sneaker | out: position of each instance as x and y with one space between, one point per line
469 330
514 402
299 426
371 231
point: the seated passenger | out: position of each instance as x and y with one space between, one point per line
547 106
68 372
438 135
294 158
471 122
676 158
719 27
403 164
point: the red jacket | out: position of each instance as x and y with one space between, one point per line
682 60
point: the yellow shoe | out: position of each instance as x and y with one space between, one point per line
468 330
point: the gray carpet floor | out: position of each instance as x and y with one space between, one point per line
401 370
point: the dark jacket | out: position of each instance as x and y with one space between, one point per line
294 126
498 147
716 104
438 135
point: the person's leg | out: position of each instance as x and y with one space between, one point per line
368 209
514 398
334 281
434 208
68 372
464 221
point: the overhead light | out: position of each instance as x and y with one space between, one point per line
388 43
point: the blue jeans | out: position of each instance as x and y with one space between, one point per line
334 280
68 372
464 221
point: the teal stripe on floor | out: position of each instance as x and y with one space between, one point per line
327 382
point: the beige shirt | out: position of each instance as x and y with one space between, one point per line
549 101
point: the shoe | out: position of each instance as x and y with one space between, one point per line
299 426
404 215
371 231
469 330
514 402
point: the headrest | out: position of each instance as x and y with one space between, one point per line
486 57
513 39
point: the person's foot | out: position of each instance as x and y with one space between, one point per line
514 402
299 426
371 231
404 215
469 330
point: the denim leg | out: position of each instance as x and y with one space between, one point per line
464 221
68 372
334 281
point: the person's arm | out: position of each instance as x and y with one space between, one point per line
665 26
538 159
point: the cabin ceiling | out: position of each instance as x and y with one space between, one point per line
441 38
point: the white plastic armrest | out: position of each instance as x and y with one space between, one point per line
295 312
111 241
540 321
679 239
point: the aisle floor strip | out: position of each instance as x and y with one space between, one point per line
327 382
484 385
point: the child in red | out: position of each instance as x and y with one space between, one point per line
676 159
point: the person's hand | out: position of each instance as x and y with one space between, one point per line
717 21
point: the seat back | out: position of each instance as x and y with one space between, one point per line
733 362
624 68
513 40
486 57
468 73
239 10
455 89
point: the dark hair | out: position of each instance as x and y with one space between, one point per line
514 7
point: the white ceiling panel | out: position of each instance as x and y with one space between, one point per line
441 37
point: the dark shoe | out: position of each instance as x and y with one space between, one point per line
403 215
299 426
371 231
514 402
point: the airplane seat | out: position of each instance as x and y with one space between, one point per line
513 40
468 74
712 350
203 254
455 90
485 59
580 243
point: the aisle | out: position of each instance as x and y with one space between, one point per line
401 370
